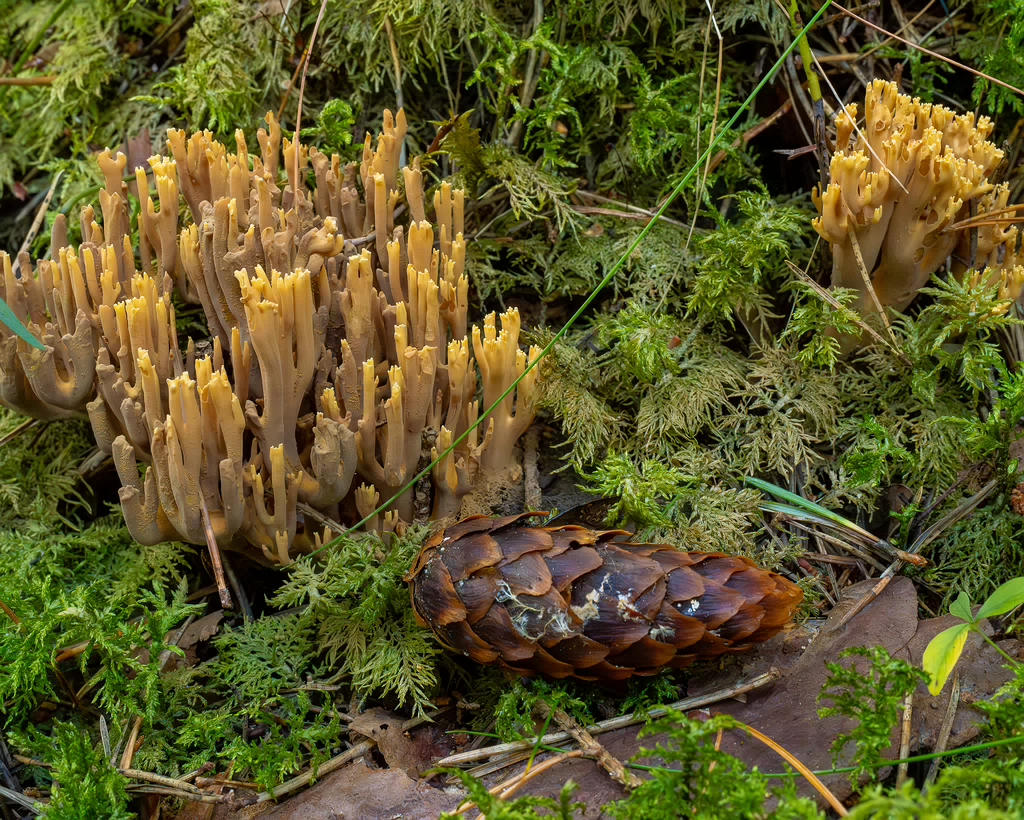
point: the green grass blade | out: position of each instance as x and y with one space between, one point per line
809 516
8 318
694 169
810 507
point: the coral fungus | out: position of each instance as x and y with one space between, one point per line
906 193
339 349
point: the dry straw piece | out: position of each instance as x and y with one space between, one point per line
901 193
339 354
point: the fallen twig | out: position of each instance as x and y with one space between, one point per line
590 747
929 52
18 798
750 133
837 305
200 797
508 787
929 535
25 81
215 559
632 208
614 723
37 222
305 778
160 780
944 730
129 749
27 424
908 711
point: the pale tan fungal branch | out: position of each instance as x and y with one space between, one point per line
902 189
501 362
340 359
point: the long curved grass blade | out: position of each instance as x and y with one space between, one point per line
627 254
8 318
810 507
813 517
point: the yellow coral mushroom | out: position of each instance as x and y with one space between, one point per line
339 343
899 190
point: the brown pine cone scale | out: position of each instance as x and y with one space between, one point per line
573 602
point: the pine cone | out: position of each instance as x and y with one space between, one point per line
573 602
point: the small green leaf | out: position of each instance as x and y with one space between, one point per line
961 607
8 318
1009 596
941 655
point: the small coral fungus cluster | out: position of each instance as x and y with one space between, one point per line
910 190
339 350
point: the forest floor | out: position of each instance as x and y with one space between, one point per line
716 375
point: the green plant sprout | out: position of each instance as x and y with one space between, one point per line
944 650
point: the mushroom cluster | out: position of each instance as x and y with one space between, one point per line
339 356
909 191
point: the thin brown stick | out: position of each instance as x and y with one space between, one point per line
238 589
192 775
302 94
908 711
631 719
837 305
533 771
590 747
866 278
26 81
901 29
922 541
929 52
508 787
944 731
792 760
866 599
10 613
304 779
753 132
195 797
129 749
838 542
502 762
207 782
590 210
829 558
37 222
291 82
319 517
17 431
627 206
211 543
531 75
995 223
160 780
972 220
